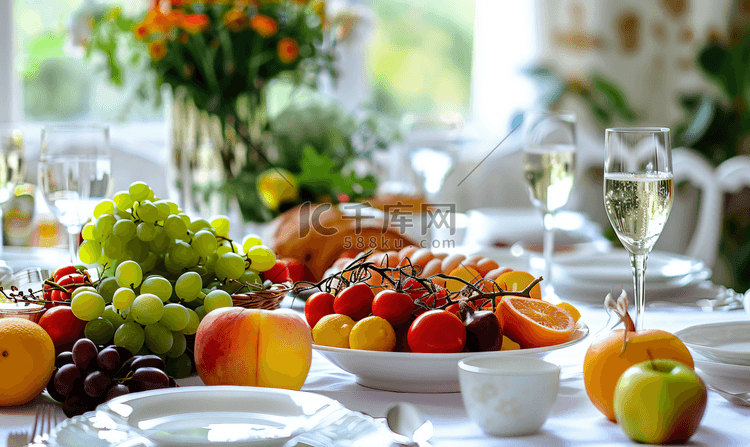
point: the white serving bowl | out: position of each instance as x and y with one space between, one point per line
508 396
413 372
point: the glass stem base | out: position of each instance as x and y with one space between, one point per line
638 262
548 246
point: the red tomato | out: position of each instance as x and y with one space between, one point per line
395 307
278 273
63 327
296 270
414 288
355 301
64 270
433 300
70 282
455 308
437 331
318 306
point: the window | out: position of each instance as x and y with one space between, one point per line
57 82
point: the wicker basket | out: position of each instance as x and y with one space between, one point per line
268 299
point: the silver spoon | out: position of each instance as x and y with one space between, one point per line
741 399
408 424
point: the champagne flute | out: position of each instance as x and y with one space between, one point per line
549 150
638 194
12 165
74 174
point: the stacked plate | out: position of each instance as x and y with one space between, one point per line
590 277
722 352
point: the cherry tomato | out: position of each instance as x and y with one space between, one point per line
63 327
433 300
456 307
355 301
70 282
65 270
278 273
437 331
394 307
318 306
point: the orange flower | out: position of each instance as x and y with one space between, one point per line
158 22
288 50
141 32
264 25
195 23
235 20
157 50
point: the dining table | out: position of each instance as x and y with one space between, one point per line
573 419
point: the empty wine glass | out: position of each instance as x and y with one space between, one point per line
12 164
549 150
74 174
638 194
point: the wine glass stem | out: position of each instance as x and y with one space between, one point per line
548 245
73 244
639 283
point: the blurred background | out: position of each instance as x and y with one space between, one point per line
451 76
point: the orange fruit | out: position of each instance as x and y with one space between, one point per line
27 360
534 323
373 334
333 330
605 362
468 274
571 310
517 280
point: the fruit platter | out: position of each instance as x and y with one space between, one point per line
401 321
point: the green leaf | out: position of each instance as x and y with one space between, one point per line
700 121
613 96
716 61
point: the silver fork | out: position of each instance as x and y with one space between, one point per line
46 418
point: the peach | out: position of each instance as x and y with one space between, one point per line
253 347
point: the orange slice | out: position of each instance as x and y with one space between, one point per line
571 310
534 323
518 280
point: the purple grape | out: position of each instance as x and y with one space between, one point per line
145 361
65 379
117 391
78 404
148 378
84 353
125 354
96 384
108 360
64 358
52 391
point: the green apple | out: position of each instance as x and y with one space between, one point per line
660 401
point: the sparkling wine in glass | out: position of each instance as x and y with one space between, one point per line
549 150
12 164
638 194
74 174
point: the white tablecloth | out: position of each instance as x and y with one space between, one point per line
574 420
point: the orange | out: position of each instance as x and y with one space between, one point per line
27 360
468 274
571 310
373 334
534 323
517 280
605 362
333 330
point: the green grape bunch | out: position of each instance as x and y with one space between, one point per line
161 272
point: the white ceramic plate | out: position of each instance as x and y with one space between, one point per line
614 267
732 378
723 342
193 416
420 372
